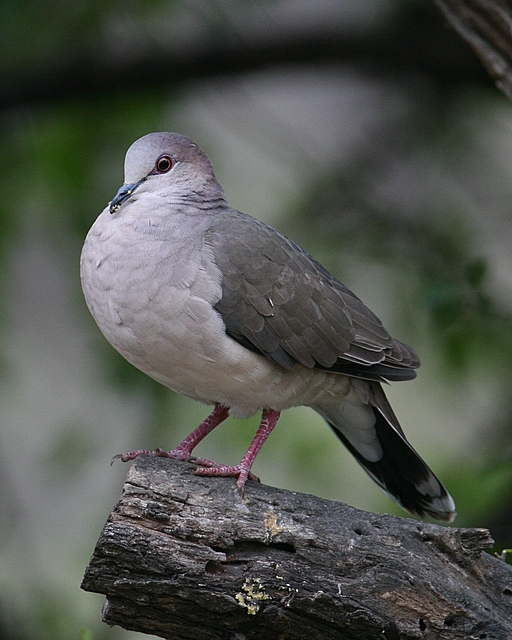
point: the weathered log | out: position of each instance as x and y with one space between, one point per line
186 557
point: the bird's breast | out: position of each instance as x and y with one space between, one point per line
143 287
153 299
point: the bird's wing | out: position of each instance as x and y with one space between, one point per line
279 301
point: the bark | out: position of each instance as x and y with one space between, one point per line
487 27
186 557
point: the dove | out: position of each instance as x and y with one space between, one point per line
222 308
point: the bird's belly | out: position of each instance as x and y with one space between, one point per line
162 320
179 339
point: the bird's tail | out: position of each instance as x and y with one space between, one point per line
367 426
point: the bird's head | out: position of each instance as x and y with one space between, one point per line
170 165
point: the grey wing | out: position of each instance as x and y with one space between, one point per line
279 301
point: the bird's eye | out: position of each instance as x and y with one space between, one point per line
164 164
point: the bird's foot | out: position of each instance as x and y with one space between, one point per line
208 468
175 454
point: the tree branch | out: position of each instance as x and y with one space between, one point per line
185 557
487 26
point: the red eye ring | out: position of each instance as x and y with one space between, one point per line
164 164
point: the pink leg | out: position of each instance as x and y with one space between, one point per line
184 449
242 470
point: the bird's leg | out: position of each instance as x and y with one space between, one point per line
184 449
242 470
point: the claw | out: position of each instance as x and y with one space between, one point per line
241 471
210 468
175 454
131 455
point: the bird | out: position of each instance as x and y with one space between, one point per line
224 309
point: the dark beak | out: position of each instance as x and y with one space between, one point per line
124 193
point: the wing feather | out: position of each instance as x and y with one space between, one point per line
279 301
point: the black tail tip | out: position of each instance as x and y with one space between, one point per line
440 508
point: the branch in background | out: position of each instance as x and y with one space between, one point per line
185 557
413 42
487 26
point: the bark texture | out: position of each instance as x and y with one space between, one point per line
186 557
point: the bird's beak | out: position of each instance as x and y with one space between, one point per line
124 193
